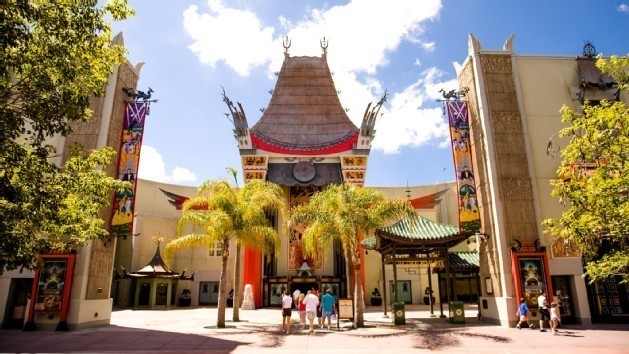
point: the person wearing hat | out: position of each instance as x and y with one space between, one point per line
328 306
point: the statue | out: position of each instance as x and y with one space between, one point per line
247 302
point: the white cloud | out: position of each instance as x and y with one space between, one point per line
233 36
429 47
624 8
361 35
152 167
406 123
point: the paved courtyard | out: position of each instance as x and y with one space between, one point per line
193 331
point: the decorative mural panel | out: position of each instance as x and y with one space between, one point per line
254 167
250 175
296 257
354 169
353 161
129 159
562 247
351 175
469 216
254 162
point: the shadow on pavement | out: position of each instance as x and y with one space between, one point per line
113 338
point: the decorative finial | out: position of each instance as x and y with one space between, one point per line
286 44
158 239
324 45
588 50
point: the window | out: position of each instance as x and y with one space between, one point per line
215 249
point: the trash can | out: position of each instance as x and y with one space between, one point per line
457 312
399 315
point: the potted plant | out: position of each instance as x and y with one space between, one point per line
376 299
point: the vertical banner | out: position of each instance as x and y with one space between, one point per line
129 159
469 216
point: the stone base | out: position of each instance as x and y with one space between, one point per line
248 305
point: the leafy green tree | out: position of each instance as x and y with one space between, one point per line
597 196
71 201
56 56
347 214
225 213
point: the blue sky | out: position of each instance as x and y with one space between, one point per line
192 48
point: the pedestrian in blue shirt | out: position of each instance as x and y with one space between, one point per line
522 310
328 306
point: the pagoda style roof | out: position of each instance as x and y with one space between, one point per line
305 113
157 268
413 235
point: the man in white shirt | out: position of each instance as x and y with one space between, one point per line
544 314
311 301
287 304
296 294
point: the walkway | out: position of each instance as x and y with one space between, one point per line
193 331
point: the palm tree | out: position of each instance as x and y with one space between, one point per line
226 213
347 214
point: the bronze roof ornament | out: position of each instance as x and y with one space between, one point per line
324 45
286 43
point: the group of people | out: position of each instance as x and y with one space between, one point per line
309 306
552 315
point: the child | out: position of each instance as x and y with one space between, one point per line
554 317
522 314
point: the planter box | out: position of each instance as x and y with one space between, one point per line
376 301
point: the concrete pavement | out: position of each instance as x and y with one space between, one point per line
193 330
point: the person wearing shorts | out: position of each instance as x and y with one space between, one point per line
328 306
542 302
287 305
522 311
311 301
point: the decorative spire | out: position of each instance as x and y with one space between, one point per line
286 43
324 46
158 239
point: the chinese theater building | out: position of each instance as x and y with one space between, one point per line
303 142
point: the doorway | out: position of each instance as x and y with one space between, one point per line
19 292
404 291
208 293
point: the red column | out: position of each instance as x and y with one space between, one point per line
252 266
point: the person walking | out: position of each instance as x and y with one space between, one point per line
312 301
287 306
522 313
328 306
319 312
296 294
542 302
302 310
554 317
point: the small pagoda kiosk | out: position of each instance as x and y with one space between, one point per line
303 142
155 284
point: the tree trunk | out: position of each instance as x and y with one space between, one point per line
359 321
222 295
236 309
349 273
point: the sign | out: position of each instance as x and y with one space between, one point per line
129 160
469 216
346 308
531 276
51 289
